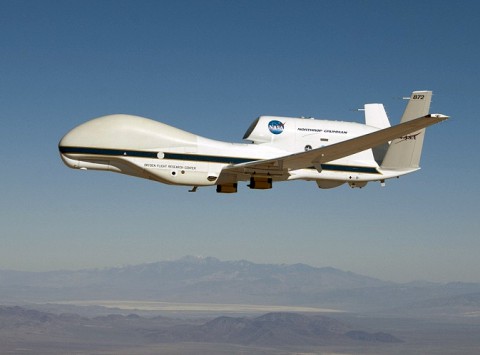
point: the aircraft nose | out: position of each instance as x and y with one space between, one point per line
77 152
101 132
72 139
88 145
74 146
66 145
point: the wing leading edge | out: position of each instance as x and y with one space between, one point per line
316 157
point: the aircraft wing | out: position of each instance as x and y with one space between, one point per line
316 157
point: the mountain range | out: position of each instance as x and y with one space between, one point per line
209 280
271 329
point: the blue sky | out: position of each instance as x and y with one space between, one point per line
211 67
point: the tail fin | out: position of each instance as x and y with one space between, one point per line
405 152
376 116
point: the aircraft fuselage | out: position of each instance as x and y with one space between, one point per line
144 148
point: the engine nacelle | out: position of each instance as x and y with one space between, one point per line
262 183
227 188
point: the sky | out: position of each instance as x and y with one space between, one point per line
211 68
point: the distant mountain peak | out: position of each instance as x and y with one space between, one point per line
198 259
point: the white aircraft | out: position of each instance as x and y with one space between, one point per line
330 153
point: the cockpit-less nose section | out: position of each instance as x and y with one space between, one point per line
330 153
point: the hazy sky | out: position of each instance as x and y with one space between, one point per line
212 67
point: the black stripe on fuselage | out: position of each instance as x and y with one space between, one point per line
350 169
111 152
153 155
207 158
200 158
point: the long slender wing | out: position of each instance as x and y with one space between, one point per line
318 156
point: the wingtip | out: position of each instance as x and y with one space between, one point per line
439 116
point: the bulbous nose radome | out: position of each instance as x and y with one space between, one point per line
84 146
96 143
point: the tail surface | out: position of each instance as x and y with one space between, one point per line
376 116
404 153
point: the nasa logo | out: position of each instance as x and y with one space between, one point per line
276 127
